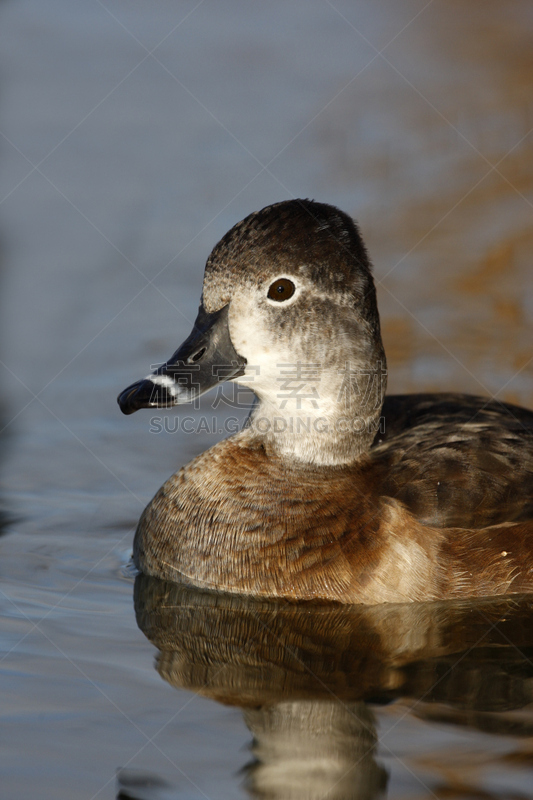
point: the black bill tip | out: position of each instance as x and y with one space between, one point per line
144 394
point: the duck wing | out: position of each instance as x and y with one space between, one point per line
456 460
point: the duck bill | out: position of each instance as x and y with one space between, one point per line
207 357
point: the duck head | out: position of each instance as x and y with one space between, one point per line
289 310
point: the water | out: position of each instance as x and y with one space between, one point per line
121 170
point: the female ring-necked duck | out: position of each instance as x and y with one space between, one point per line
328 492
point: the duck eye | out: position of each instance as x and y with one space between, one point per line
281 290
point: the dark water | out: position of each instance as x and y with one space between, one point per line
132 137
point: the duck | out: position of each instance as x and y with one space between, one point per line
332 490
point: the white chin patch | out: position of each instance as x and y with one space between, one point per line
164 380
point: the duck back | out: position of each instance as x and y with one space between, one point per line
456 460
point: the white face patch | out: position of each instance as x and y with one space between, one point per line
288 373
164 380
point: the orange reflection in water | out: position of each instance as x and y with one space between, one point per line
445 150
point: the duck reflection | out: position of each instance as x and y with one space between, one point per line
303 674
313 749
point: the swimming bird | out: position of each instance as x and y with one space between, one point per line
331 490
